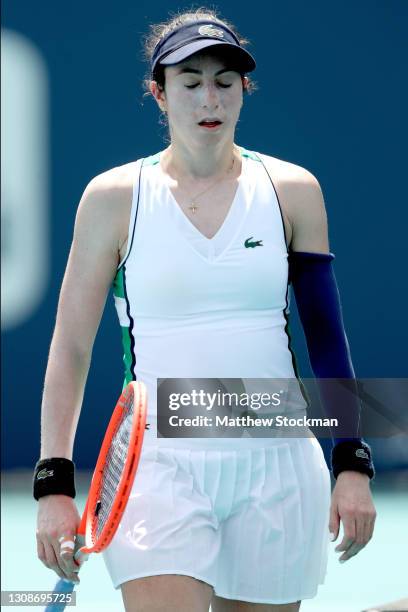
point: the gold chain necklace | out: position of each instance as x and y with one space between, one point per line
193 206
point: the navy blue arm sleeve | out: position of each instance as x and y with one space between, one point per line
318 302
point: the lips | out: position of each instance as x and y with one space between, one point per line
210 124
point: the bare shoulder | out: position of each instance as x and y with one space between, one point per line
107 200
291 178
114 186
301 200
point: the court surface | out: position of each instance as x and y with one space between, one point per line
374 576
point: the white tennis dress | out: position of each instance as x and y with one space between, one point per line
247 515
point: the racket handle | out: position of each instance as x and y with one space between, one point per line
65 587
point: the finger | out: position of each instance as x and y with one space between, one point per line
79 556
351 552
66 545
79 560
41 552
349 535
52 552
366 530
66 550
334 523
358 542
361 522
369 529
345 545
51 560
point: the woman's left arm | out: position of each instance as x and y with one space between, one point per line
318 301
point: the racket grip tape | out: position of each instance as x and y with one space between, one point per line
62 587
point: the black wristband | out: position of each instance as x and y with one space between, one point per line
352 455
54 476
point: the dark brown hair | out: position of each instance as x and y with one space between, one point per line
159 30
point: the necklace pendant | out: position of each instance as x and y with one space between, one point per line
193 207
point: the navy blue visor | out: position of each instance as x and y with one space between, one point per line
195 36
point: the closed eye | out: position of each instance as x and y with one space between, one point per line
223 85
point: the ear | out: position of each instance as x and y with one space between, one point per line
245 82
159 95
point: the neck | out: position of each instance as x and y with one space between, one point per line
186 161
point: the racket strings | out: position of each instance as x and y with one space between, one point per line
113 468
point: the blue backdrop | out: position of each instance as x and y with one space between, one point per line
331 97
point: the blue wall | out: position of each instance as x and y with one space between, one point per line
331 97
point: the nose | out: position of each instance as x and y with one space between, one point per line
210 97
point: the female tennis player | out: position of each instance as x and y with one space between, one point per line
201 242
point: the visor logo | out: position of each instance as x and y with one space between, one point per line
209 30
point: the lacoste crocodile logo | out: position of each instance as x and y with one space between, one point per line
44 474
252 245
209 30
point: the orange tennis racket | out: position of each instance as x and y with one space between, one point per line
111 482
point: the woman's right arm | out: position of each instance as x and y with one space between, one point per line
91 267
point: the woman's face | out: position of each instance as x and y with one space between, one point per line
201 88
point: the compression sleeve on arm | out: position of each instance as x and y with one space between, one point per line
318 302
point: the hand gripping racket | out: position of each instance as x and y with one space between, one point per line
111 482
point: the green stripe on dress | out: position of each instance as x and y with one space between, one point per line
250 154
127 355
119 292
118 287
152 159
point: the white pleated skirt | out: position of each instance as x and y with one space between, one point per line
250 520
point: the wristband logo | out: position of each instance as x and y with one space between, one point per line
44 474
360 452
